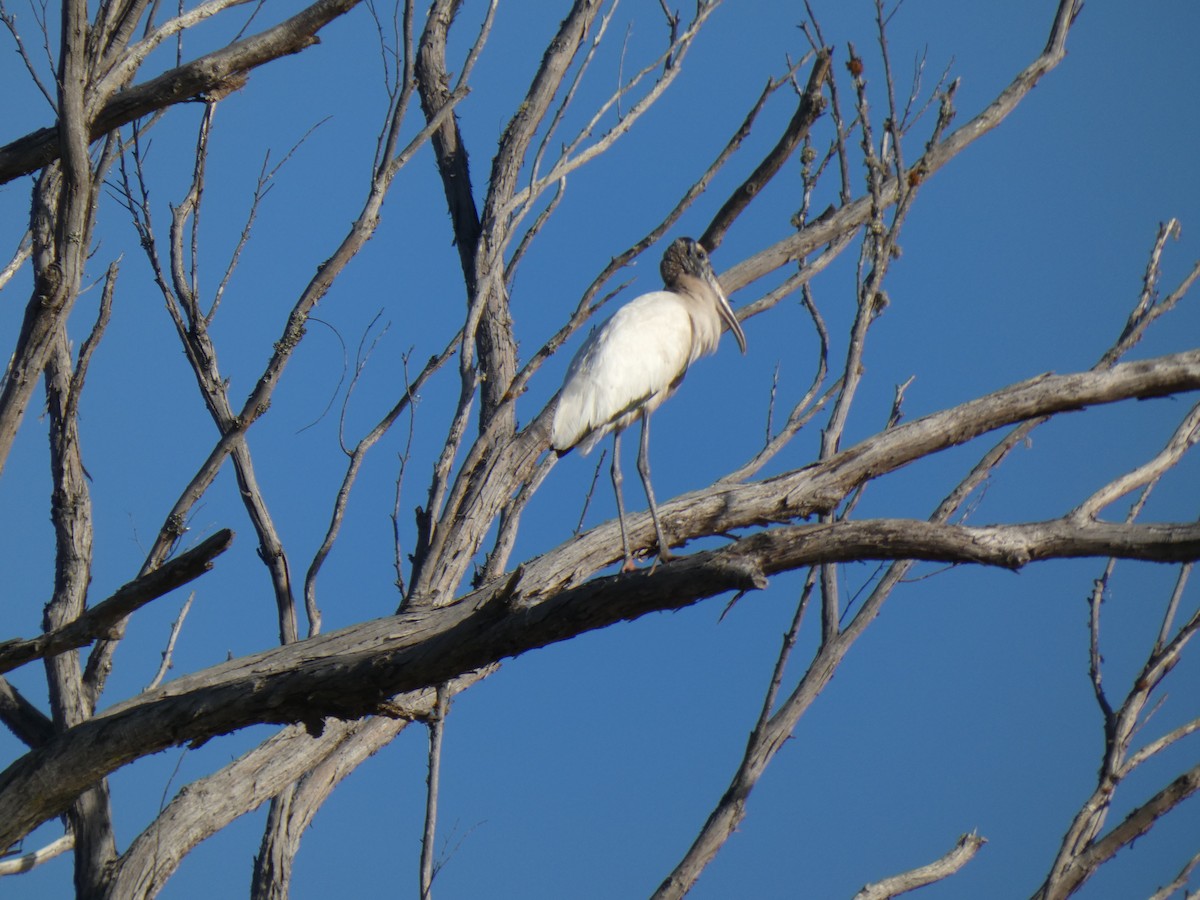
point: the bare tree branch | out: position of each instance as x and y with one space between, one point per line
1134 826
99 620
212 802
437 726
38 149
27 861
856 213
28 724
169 650
812 104
349 673
1180 880
24 251
962 853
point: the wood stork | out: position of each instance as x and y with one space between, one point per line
634 361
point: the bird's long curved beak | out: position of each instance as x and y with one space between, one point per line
726 311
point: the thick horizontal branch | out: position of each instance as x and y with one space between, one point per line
1004 546
99 621
352 672
820 487
210 72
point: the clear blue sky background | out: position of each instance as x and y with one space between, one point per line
585 769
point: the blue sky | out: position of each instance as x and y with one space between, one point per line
585 769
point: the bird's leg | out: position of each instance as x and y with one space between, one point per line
643 464
616 480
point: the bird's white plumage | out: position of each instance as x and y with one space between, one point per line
632 363
628 362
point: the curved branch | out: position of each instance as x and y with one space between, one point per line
962 853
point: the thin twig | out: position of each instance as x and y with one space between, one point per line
92 341
10 22
1180 880
356 457
1184 438
1181 581
403 459
575 155
587 499
266 179
176 627
569 94
437 728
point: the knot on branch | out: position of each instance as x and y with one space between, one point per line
743 572
226 86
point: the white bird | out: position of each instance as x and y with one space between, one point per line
636 359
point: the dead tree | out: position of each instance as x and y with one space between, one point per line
463 602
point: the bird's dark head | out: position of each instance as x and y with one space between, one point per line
686 260
685 257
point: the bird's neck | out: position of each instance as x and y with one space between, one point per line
702 303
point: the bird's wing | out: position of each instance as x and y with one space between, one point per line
632 361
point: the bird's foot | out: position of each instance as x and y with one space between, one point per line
629 566
664 556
